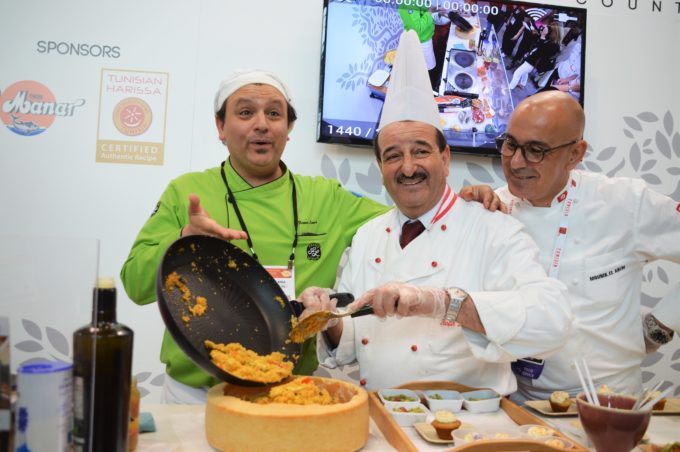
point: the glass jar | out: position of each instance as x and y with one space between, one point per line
133 429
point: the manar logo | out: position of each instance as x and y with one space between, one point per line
29 108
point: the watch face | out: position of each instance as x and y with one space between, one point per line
458 293
658 337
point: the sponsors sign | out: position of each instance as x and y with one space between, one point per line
29 108
132 112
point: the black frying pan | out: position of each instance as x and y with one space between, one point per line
245 304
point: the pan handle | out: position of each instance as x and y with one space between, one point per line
366 310
344 298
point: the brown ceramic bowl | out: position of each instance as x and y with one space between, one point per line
612 426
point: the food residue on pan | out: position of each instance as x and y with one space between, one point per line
200 303
280 301
245 364
200 306
231 263
174 280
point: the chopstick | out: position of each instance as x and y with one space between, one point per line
588 389
644 397
651 403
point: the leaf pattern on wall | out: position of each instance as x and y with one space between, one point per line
58 341
652 359
344 171
480 173
31 329
372 181
158 380
29 346
328 168
606 153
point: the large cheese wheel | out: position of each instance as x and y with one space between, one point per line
234 424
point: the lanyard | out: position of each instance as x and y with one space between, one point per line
561 238
232 200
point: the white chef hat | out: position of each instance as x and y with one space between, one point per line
245 77
409 96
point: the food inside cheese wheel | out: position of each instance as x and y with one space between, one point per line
239 418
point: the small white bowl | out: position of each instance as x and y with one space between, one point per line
537 432
481 401
389 396
407 418
467 435
560 443
447 400
503 433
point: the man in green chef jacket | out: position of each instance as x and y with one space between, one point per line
254 114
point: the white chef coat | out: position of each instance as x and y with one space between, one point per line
616 225
488 255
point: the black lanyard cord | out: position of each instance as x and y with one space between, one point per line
232 200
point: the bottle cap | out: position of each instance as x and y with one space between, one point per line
105 282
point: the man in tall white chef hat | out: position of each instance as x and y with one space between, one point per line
595 234
457 290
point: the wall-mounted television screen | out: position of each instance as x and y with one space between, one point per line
483 58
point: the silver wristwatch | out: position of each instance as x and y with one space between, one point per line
456 298
655 332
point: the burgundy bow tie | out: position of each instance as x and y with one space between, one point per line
409 231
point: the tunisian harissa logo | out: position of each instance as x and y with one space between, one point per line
29 108
132 116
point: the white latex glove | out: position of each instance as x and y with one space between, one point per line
404 300
316 299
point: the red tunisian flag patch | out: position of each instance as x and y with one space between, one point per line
678 207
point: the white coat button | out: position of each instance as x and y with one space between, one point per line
574 281
577 241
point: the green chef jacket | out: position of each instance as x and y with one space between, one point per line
418 19
328 217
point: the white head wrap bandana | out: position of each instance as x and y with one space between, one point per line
245 77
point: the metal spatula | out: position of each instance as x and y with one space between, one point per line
317 321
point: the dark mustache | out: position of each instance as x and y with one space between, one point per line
418 175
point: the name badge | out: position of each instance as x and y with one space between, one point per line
285 278
528 367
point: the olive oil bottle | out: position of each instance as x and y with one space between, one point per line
102 372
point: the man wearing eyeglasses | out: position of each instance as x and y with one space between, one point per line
595 234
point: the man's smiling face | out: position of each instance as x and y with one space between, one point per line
414 168
544 120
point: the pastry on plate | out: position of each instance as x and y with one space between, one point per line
658 406
559 401
444 423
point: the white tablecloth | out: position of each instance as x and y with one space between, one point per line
181 428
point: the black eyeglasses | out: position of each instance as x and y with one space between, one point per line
532 153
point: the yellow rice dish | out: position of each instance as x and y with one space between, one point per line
301 391
245 364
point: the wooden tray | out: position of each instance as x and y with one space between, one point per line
543 406
399 440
